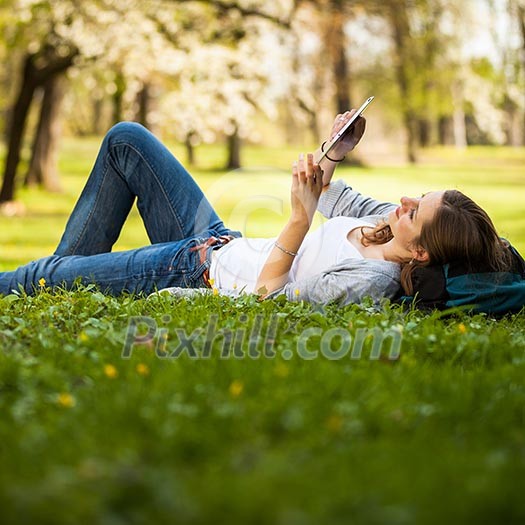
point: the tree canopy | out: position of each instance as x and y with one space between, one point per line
210 70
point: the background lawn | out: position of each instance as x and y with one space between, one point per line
255 199
436 434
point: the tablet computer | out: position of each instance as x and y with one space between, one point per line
344 129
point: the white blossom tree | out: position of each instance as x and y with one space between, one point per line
221 89
140 42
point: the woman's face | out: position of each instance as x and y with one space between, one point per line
407 220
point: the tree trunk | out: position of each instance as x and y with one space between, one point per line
401 31
98 106
234 150
313 123
43 166
190 150
38 68
11 69
446 131
118 98
18 124
311 112
411 130
521 16
460 128
143 102
424 132
336 43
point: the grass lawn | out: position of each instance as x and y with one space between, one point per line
300 420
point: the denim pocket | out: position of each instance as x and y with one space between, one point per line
184 262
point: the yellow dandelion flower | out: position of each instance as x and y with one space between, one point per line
143 369
110 371
236 388
211 281
42 282
83 337
462 328
297 292
215 291
65 400
281 370
334 423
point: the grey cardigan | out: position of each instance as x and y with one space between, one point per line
352 279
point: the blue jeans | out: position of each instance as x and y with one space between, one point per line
131 164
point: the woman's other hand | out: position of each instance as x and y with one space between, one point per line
351 138
307 186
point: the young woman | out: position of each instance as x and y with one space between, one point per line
366 248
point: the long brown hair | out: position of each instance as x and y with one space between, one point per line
460 231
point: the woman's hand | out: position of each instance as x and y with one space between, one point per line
347 143
351 138
307 186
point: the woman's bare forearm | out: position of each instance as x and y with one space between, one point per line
306 189
274 274
328 168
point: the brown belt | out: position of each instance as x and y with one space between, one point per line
218 242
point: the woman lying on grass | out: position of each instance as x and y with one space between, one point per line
366 248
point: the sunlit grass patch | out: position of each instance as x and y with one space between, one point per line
86 433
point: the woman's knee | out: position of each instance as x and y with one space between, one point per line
127 132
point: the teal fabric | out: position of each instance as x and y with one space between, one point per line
498 292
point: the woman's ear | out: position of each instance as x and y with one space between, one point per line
420 254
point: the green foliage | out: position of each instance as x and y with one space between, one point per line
437 434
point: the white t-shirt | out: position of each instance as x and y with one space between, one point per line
237 265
